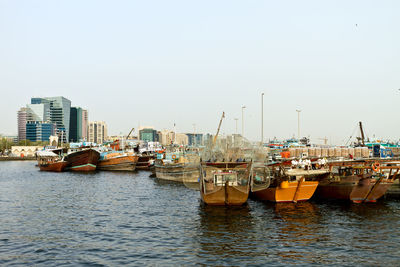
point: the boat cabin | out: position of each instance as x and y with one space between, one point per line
220 178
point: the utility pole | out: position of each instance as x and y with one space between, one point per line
174 133
298 123
194 134
236 120
262 118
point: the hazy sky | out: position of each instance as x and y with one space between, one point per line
160 62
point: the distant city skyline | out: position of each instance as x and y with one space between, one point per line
181 63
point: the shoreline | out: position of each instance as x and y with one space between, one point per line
16 158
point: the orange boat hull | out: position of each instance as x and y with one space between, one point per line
119 163
278 194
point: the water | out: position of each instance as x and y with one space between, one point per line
109 218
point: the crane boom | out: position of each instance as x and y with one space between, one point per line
219 127
362 134
130 133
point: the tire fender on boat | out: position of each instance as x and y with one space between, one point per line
376 167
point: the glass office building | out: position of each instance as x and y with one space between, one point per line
75 125
58 111
39 131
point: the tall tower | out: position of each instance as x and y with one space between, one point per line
85 124
59 113
24 115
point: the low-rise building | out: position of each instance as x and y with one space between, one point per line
25 151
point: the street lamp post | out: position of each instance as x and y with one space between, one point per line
262 118
194 134
298 123
243 107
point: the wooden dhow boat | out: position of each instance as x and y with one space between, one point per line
225 183
117 161
144 162
82 160
285 184
179 168
178 172
358 181
50 161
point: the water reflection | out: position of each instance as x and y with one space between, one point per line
298 226
161 182
224 230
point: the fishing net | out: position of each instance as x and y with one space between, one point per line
261 178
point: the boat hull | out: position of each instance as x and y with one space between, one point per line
54 167
143 162
293 193
226 195
120 163
83 161
225 183
180 173
366 190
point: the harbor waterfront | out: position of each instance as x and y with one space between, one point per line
130 218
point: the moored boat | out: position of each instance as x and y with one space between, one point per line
49 161
357 182
117 161
225 183
178 167
290 185
178 172
144 162
82 160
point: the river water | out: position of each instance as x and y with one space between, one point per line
109 218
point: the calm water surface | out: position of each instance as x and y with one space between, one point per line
109 218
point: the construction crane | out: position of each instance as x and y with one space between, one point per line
116 144
362 134
219 127
130 133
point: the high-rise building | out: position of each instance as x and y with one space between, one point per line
166 137
24 115
181 139
75 124
39 131
59 113
195 139
40 112
85 124
148 135
97 131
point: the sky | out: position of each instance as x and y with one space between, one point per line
157 63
